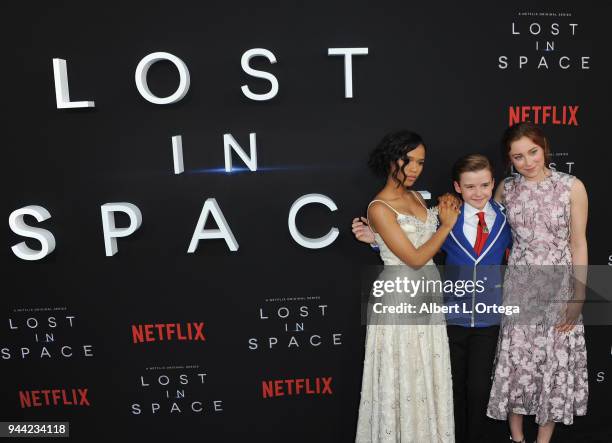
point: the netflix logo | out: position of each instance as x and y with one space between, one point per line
156 332
53 397
296 386
566 115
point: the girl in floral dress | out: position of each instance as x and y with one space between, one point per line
541 363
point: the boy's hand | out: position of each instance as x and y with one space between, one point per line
362 230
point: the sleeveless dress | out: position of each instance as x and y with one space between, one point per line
406 391
538 370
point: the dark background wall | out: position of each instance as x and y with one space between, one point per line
432 68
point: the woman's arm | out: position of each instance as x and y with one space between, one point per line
579 208
499 193
384 221
361 229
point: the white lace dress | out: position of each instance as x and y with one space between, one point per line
406 391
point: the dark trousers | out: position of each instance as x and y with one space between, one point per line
472 351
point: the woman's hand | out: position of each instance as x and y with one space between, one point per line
448 213
361 230
452 199
573 309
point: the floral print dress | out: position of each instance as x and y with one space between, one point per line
538 370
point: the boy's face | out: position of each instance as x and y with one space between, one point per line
476 188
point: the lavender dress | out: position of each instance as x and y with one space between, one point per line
538 370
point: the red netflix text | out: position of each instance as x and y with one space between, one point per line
53 397
190 331
544 114
297 386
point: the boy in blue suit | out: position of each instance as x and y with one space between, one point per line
475 249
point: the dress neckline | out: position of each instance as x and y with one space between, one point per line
413 220
401 214
534 183
427 210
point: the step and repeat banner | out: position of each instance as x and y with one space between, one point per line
181 180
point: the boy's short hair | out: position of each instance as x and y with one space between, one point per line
471 163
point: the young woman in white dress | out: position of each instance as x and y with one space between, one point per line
406 393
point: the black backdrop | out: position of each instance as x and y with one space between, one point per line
431 68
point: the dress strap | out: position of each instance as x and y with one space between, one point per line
382 201
419 199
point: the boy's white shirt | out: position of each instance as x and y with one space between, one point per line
470 220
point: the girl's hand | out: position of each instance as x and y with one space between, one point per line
448 213
361 230
451 199
573 310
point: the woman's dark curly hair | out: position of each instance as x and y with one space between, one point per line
393 147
